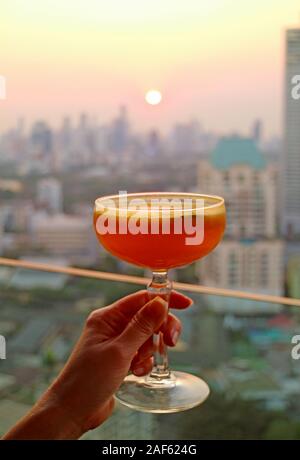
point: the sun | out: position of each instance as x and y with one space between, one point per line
153 97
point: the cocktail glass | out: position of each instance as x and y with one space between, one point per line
160 231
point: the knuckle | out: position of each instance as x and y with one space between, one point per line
93 318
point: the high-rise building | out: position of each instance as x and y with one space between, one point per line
257 132
65 133
153 144
185 137
291 163
41 139
250 257
49 195
119 132
82 152
238 171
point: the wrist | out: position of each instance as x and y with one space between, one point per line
48 419
60 420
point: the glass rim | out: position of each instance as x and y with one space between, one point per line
219 200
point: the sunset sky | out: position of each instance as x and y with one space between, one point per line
220 61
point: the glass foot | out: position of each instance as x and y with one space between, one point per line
186 392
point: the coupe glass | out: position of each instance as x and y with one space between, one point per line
160 231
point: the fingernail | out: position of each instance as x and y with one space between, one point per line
189 300
139 371
174 336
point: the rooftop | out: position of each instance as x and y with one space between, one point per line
235 150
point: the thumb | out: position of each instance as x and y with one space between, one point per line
144 324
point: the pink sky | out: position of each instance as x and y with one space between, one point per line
220 61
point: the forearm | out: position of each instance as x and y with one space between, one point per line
46 420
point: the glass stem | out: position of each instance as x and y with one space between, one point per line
160 286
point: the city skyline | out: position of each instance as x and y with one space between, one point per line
23 126
61 58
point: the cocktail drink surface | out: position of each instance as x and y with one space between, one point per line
162 251
160 231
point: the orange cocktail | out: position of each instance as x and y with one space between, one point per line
159 250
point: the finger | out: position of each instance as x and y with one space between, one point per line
127 306
131 303
147 320
144 367
179 301
171 330
145 351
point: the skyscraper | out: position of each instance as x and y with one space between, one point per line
49 195
185 137
250 257
41 138
291 163
238 171
256 132
120 132
153 144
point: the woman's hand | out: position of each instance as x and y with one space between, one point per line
115 339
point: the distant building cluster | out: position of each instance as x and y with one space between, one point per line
41 226
42 149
